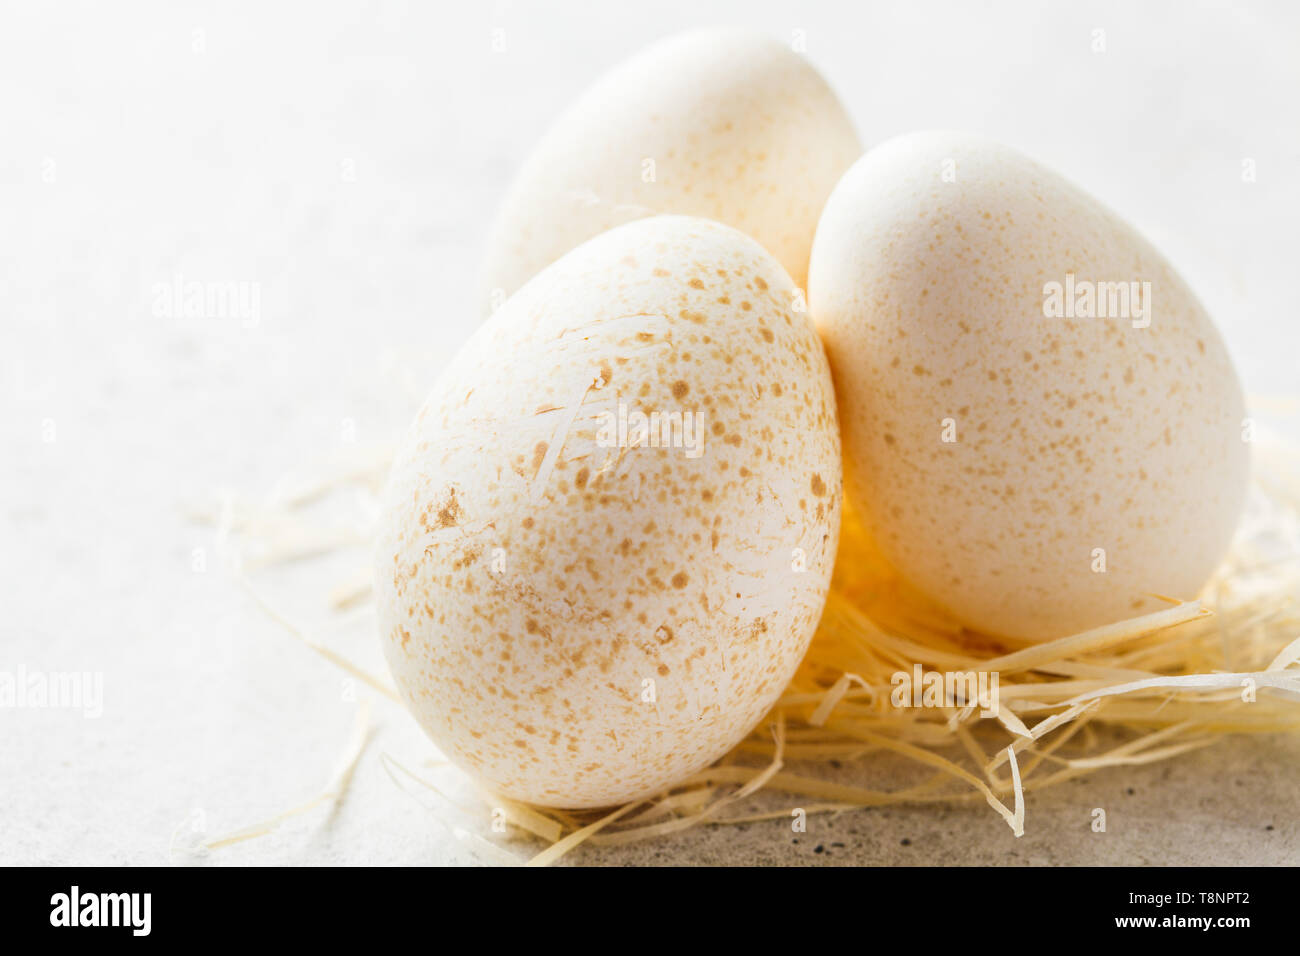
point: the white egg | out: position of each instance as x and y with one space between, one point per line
1042 427
726 124
579 617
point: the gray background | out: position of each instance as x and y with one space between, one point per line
346 158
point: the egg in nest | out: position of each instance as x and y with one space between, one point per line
1043 432
727 124
608 537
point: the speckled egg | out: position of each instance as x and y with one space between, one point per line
581 605
727 124
1042 428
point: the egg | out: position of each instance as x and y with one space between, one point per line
1043 432
607 540
726 124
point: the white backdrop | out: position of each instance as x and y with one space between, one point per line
342 161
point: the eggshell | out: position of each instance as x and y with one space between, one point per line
726 124
1096 463
579 624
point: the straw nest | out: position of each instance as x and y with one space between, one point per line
1160 685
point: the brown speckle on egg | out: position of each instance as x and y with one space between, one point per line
934 295
661 556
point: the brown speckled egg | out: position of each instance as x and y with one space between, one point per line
580 609
1033 442
727 124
